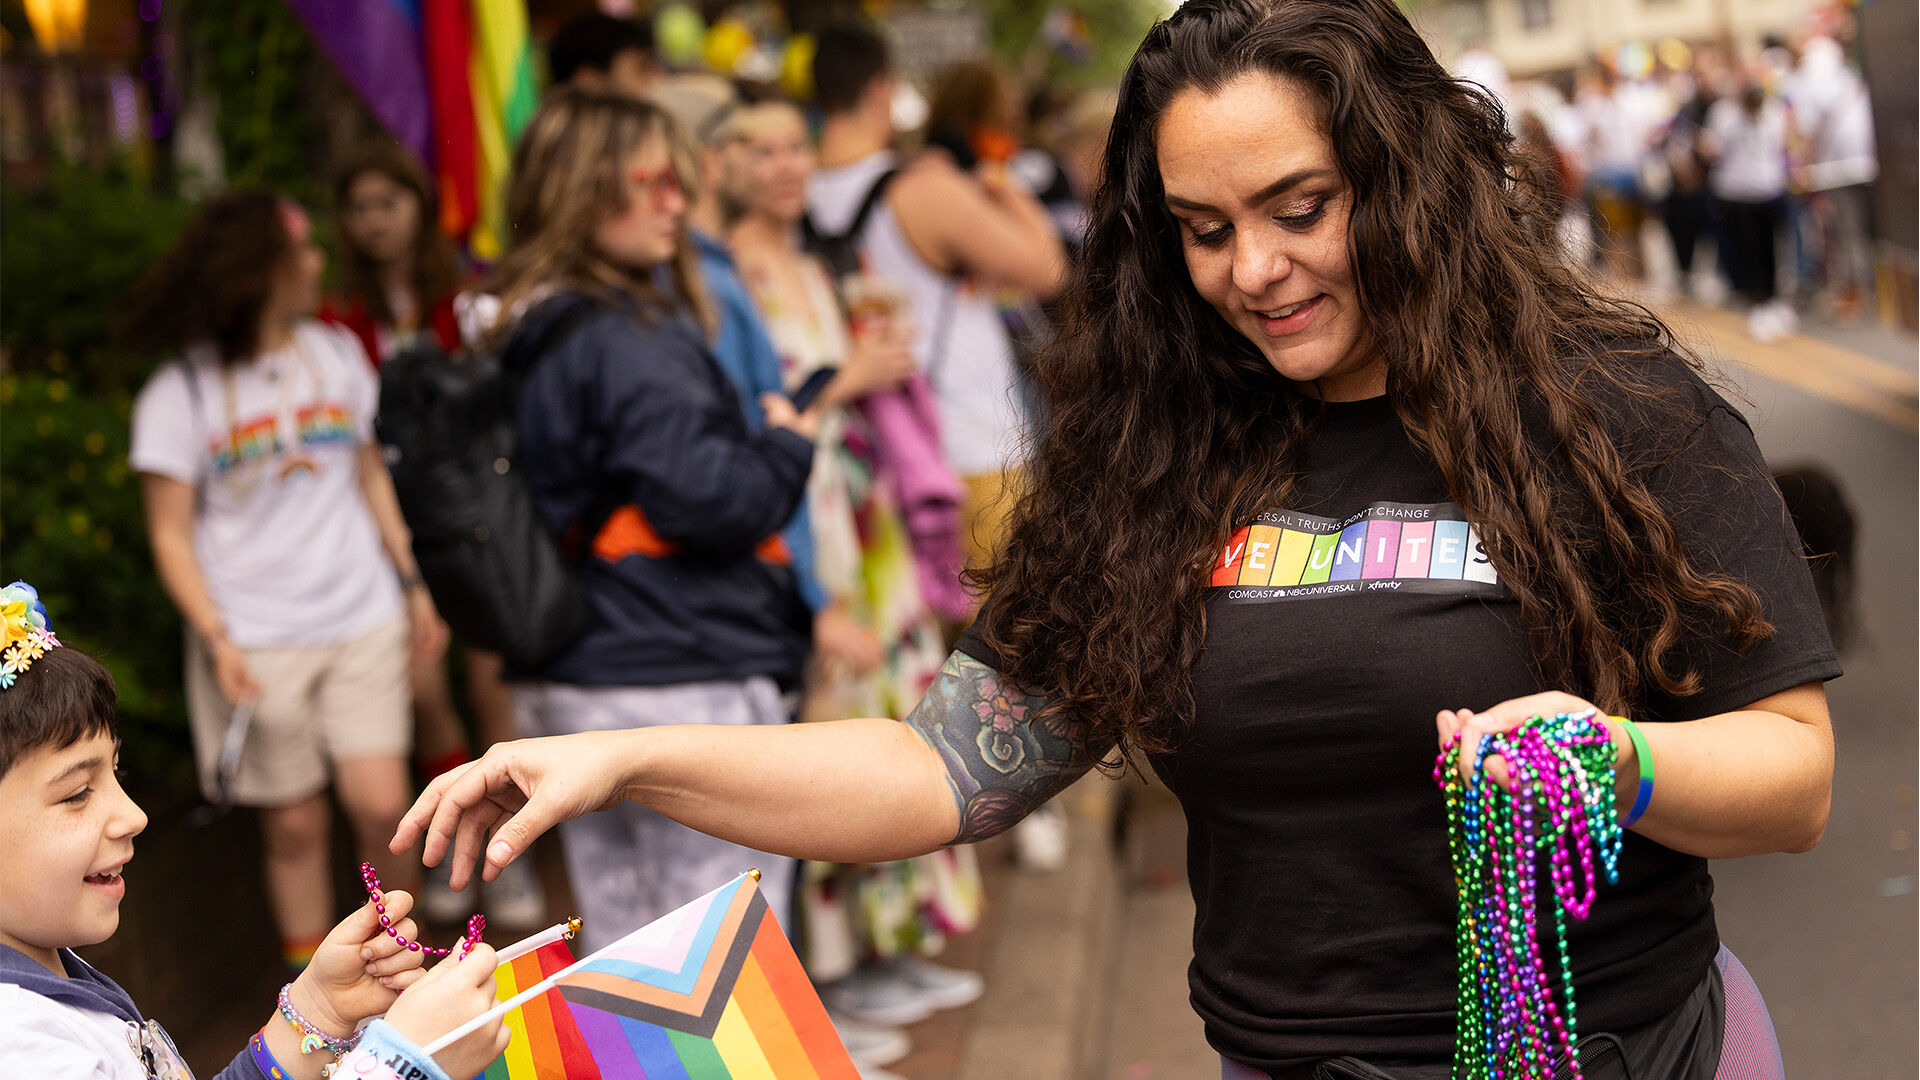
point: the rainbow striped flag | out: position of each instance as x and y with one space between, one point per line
546 1040
455 80
712 991
505 91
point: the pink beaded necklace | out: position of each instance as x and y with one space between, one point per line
475 925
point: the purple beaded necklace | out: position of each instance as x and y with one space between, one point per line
1560 810
475 924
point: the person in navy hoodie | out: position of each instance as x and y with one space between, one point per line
643 464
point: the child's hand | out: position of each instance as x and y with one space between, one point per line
453 992
357 971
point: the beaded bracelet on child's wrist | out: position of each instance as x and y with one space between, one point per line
313 1038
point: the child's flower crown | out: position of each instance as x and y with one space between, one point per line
24 633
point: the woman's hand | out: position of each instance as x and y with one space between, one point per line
359 969
429 631
515 792
1505 717
880 358
840 639
781 413
455 991
230 671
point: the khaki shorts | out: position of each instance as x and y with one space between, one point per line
318 704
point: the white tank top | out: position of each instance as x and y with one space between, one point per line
981 422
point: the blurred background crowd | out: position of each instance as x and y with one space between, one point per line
892 191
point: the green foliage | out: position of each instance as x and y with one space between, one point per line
71 525
71 522
257 57
1117 27
69 252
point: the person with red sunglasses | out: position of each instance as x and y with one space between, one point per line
646 469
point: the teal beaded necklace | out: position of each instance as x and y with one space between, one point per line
1560 812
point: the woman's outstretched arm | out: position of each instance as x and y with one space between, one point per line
973 758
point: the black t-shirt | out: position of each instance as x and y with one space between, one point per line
1337 628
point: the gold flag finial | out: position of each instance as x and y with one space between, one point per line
754 873
573 927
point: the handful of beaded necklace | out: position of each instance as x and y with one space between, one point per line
1559 811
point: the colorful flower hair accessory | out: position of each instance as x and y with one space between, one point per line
24 633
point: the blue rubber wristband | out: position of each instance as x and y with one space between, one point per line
1644 758
263 1057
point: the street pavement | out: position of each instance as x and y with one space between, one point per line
1830 936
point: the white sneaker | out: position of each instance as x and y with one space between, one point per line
1763 325
877 996
1040 839
515 899
870 1044
1708 288
1785 319
438 901
944 987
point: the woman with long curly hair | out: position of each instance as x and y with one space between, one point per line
1338 460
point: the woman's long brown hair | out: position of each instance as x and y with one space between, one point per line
568 171
435 263
1164 429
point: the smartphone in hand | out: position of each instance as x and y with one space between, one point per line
810 390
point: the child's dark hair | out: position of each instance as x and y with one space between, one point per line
64 697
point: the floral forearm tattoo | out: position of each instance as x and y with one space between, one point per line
1005 751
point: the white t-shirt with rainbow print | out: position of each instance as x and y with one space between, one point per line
283 534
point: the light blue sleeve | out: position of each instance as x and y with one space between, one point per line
799 537
385 1054
749 358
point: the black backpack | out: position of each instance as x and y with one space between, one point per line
841 251
446 423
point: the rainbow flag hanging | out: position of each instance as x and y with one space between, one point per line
712 991
455 80
447 46
505 94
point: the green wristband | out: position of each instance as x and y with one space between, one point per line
1644 757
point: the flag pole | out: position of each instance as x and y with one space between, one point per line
557 932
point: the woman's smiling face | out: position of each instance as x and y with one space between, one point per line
1262 210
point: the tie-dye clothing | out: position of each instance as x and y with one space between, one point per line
865 564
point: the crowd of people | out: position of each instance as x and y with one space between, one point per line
745 563
903 488
1742 159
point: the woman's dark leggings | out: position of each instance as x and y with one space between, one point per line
1722 1032
1686 215
1752 230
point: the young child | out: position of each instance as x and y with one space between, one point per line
66 835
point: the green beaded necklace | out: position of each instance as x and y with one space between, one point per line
1559 811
